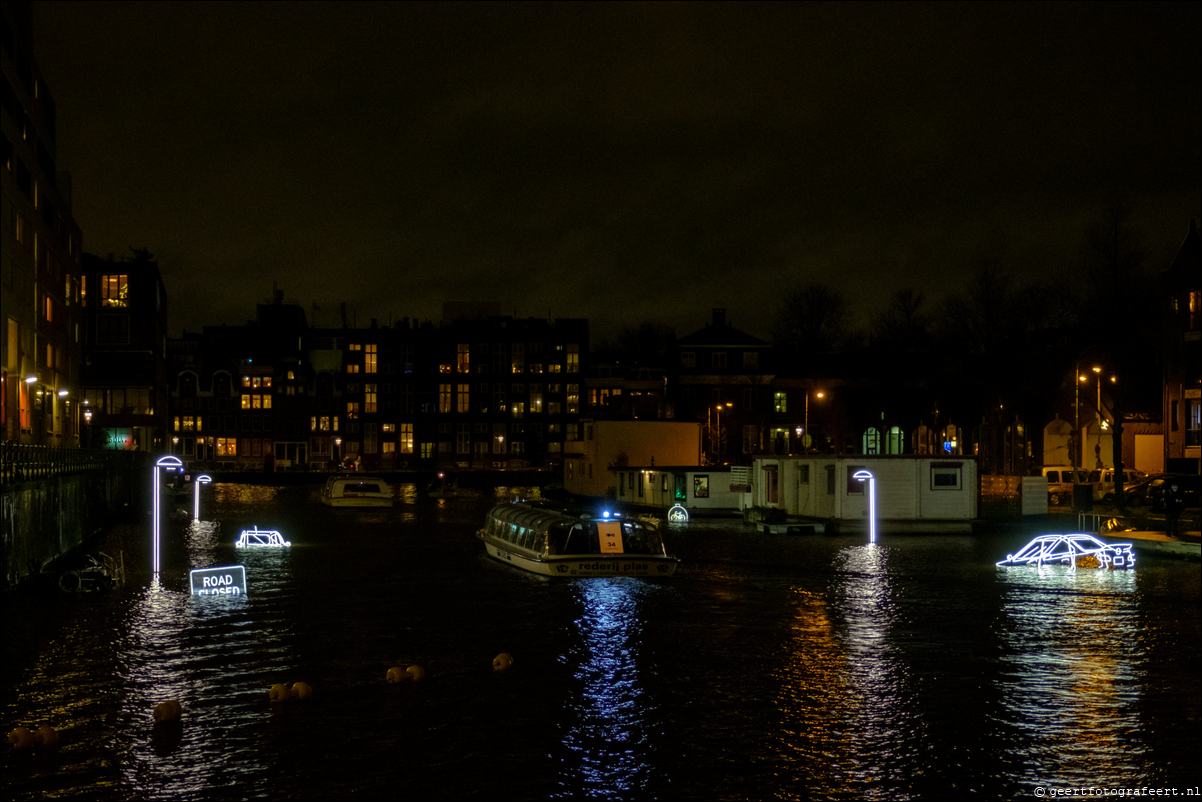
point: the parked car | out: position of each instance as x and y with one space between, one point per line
1149 492
1103 482
1186 486
1060 481
1138 494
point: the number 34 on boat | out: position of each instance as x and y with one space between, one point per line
557 543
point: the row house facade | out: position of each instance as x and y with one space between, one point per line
751 399
485 392
124 376
1181 289
40 255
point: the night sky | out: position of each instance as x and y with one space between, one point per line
621 162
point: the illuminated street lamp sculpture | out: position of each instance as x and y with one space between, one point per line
170 464
866 475
203 479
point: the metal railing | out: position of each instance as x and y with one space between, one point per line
22 462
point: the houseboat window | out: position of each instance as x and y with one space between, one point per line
945 478
701 486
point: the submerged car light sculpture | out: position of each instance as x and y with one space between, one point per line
261 537
1075 550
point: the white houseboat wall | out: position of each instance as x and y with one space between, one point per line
927 493
713 490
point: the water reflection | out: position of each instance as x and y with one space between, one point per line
611 718
842 699
1074 646
216 656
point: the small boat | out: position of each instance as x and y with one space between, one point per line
560 543
356 491
261 537
1076 551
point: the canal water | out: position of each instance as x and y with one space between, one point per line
770 666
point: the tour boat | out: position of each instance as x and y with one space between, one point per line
356 491
560 543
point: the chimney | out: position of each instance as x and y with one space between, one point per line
719 317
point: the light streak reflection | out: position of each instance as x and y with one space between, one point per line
1073 643
611 717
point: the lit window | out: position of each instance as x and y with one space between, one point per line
463 362
405 440
463 398
369 401
369 359
780 402
573 358
352 368
114 290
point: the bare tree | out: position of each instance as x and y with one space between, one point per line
1115 256
812 320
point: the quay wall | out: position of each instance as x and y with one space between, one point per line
43 519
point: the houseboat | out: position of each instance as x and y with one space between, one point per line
356 491
562 543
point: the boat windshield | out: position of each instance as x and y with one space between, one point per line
582 538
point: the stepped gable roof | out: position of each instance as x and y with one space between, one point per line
719 334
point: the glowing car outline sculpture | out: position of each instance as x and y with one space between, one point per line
1076 550
261 537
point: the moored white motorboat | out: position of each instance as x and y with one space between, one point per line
559 543
356 491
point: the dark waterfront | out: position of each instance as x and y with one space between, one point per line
771 666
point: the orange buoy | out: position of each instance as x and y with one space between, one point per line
502 662
396 674
280 693
46 737
415 673
170 710
301 690
21 739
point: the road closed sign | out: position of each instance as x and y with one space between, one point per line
228 580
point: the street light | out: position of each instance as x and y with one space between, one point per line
806 439
203 479
865 475
171 464
719 421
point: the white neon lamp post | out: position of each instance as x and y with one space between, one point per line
203 479
863 475
171 464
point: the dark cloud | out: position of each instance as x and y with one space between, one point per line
614 161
